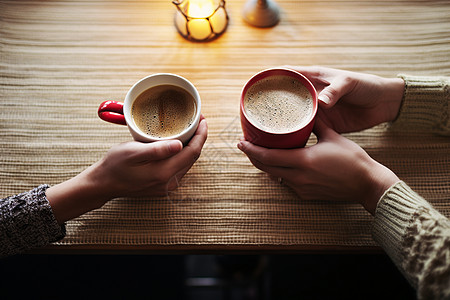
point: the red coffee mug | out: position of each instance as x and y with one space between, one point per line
264 138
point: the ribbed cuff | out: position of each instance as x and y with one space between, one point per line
425 105
393 217
27 222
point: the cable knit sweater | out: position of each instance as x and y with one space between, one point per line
411 231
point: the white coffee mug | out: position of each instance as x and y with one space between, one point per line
120 112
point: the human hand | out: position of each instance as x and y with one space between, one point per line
334 169
149 169
350 101
130 169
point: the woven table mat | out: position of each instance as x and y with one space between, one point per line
59 60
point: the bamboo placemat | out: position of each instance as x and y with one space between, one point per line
59 60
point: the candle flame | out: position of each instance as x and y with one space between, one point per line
200 8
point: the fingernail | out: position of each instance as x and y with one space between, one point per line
174 146
324 98
240 145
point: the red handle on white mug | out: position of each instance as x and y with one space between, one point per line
112 111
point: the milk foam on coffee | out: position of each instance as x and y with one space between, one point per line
278 104
164 111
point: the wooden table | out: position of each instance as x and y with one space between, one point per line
59 60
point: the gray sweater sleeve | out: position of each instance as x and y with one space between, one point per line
27 221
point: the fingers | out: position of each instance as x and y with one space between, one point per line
195 144
313 73
332 84
274 171
269 157
268 160
323 131
144 152
187 157
173 169
339 86
194 148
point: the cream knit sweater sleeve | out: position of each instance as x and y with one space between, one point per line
425 105
410 230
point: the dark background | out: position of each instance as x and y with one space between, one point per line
216 277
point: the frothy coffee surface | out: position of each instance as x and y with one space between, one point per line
278 104
163 111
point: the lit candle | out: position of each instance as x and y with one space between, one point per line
199 26
200 8
201 20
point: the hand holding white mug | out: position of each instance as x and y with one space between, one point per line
129 169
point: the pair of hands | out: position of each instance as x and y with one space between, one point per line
337 168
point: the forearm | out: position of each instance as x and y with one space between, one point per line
77 195
379 179
392 97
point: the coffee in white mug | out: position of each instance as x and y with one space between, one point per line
164 110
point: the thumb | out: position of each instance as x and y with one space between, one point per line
322 130
144 152
333 92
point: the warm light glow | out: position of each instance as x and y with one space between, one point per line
200 8
201 20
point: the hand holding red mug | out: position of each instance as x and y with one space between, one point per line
337 168
351 101
334 169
